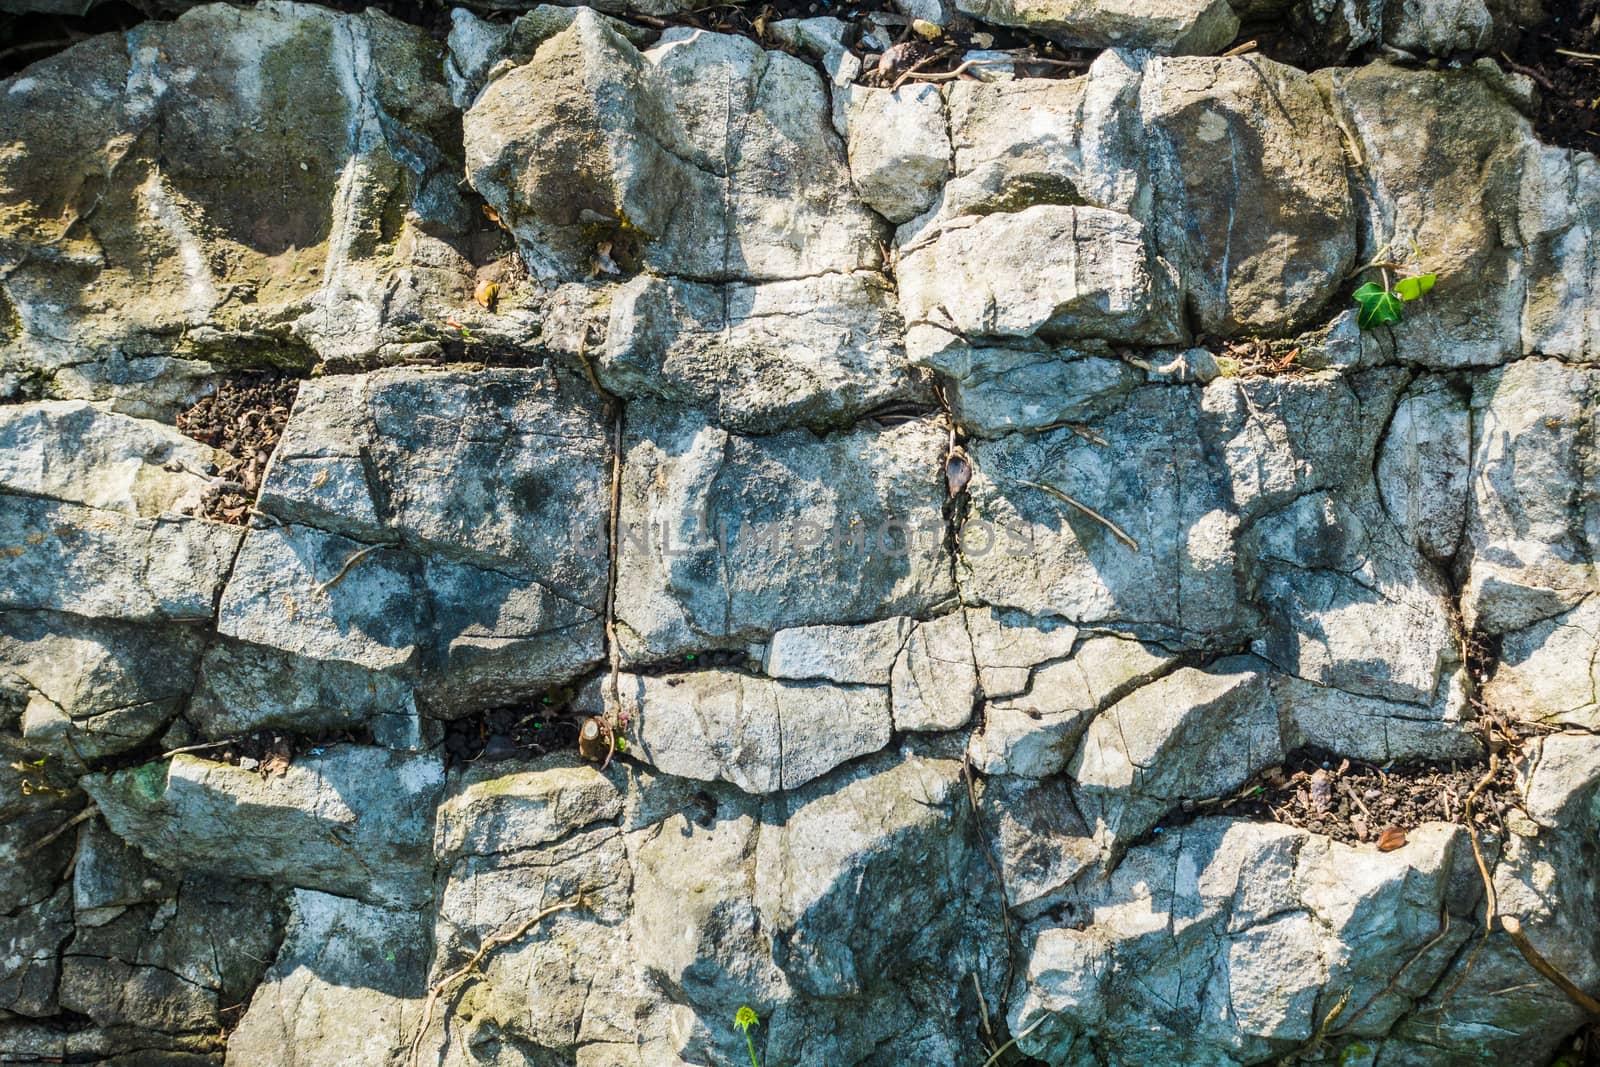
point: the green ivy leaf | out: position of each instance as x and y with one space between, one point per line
1379 306
1411 288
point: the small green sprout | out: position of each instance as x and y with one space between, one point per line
744 1019
1384 305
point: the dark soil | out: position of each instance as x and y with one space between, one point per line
244 418
516 731
1356 802
1570 85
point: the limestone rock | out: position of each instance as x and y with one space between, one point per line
1033 731
75 452
1040 840
726 538
815 352
327 996
759 734
935 680
1530 541
1279 915
1155 481
1182 26
91 687
862 655
1190 734
995 391
1548 671
1062 272
1348 604
898 149
70 558
173 965
475 587
183 197
354 821
886 826
1420 190
494 808
674 179
1252 204
1423 467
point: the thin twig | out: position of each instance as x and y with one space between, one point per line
1036 1023
1490 901
355 557
983 1008
1576 55
169 753
1513 927
1121 534
471 965
1546 83
1240 49
917 66
87 813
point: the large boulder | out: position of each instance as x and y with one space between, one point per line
354 821
665 158
179 196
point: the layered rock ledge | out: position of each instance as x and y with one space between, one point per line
959 497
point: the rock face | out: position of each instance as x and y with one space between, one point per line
963 503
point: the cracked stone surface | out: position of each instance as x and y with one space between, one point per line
962 557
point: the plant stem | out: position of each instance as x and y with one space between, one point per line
748 1040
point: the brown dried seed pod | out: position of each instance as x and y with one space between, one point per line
594 739
1392 838
957 470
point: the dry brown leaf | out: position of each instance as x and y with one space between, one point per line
487 293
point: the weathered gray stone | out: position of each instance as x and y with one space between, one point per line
73 451
898 149
1062 272
1424 465
1265 925
893 826
496 808
95 687
1153 479
761 735
1184 26
816 352
860 655
1549 671
1040 840
935 680
356 821
726 539
994 391
1252 206
1531 535
174 965
98 564
111 876
30 967
1348 604
1440 175
1008 645
674 180
1032 729
346 986
182 194
1188 735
